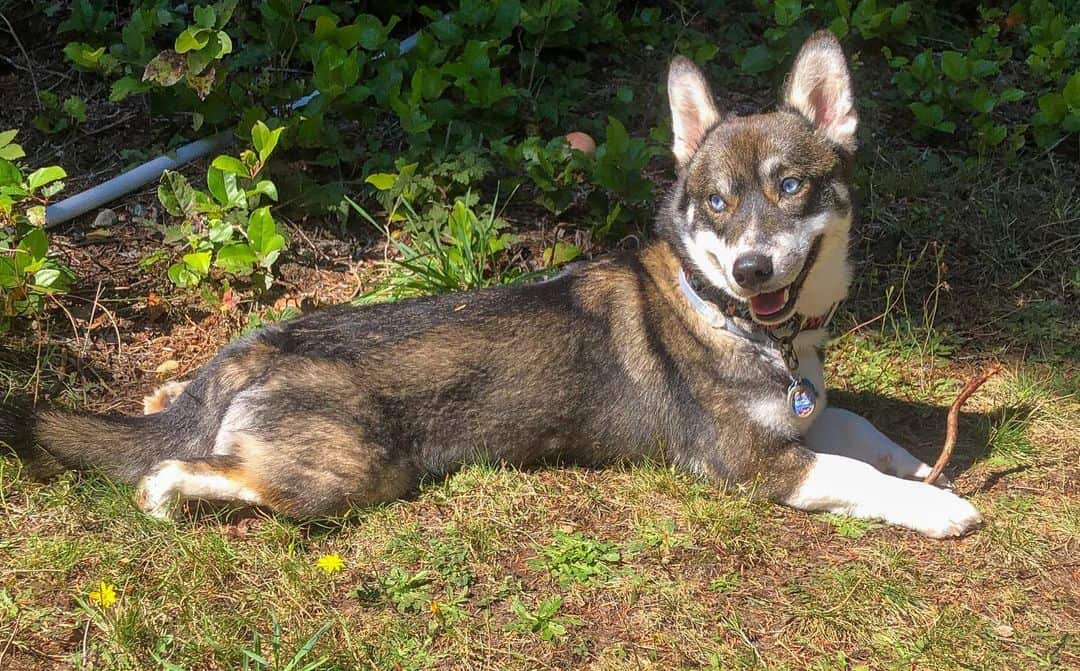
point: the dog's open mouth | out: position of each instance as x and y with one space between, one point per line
774 307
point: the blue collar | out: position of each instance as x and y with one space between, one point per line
717 318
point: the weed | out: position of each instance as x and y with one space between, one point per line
55 116
1008 440
449 559
463 253
661 534
257 320
409 592
276 659
726 583
543 621
575 558
449 611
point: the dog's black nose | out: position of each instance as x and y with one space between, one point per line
752 270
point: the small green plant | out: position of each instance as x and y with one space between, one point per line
257 320
618 167
87 17
574 558
27 273
8 609
448 611
794 20
726 583
226 228
661 534
1052 37
409 592
86 57
56 116
543 621
276 659
450 560
464 252
1059 113
551 167
1008 441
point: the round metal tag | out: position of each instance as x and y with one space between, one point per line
802 397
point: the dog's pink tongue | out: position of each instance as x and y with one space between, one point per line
768 304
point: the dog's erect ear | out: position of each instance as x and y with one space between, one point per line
693 111
819 88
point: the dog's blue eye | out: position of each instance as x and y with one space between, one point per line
790 186
717 203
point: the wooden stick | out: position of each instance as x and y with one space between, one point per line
953 421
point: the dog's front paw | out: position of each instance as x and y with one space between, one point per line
924 470
941 514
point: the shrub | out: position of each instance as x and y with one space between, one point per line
27 273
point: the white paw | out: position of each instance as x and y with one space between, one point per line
163 397
924 470
939 513
156 493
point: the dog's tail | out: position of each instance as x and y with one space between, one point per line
121 446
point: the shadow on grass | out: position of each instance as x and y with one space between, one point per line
920 428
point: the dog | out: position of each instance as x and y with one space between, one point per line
701 349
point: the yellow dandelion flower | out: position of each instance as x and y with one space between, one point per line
435 608
104 595
330 563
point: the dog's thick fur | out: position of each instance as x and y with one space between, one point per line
608 362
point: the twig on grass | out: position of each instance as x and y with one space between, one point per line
953 421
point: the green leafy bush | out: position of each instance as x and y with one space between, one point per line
962 89
794 21
950 88
491 78
27 273
226 227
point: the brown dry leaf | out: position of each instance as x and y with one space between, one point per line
165 69
155 307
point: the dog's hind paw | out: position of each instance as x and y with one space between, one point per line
156 493
163 397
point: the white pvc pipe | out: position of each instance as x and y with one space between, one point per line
151 171
125 183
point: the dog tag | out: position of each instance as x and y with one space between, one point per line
802 397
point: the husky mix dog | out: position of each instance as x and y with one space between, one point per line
642 355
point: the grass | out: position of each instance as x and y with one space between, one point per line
671 587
